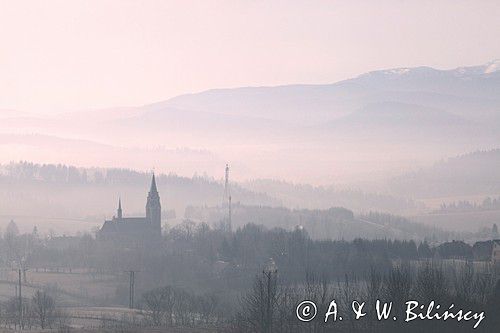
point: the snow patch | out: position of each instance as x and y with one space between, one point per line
398 71
492 66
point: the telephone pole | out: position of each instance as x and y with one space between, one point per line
131 289
270 273
21 273
20 302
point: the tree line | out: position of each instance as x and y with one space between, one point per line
204 276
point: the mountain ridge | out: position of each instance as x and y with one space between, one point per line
345 96
415 115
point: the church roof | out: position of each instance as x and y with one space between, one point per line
128 220
108 226
127 224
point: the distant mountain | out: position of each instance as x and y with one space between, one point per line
457 91
401 122
476 173
394 114
415 115
322 134
460 107
469 82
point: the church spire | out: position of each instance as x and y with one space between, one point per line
119 208
153 189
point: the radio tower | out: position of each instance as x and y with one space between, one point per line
227 198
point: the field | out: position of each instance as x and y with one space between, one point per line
77 288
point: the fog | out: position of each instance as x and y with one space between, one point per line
249 166
317 134
220 211
380 198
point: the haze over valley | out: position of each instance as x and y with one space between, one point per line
242 166
327 134
400 141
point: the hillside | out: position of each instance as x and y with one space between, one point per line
42 195
324 197
475 173
333 223
56 192
477 86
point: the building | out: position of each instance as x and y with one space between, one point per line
495 257
495 252
135 230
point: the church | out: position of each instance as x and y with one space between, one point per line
135 230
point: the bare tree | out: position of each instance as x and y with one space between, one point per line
160 304
318 288
63 321
207 305
43 306
13 312
260 305
463 281
348 292
484 285
431 284
398 285
154 304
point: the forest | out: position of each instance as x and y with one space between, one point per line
199 276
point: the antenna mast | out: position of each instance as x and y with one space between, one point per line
227 198
226 185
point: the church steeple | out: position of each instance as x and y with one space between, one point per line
153 185
119 211
153 207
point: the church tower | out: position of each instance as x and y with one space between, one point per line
153 207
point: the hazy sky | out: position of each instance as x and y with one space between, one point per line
59 55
